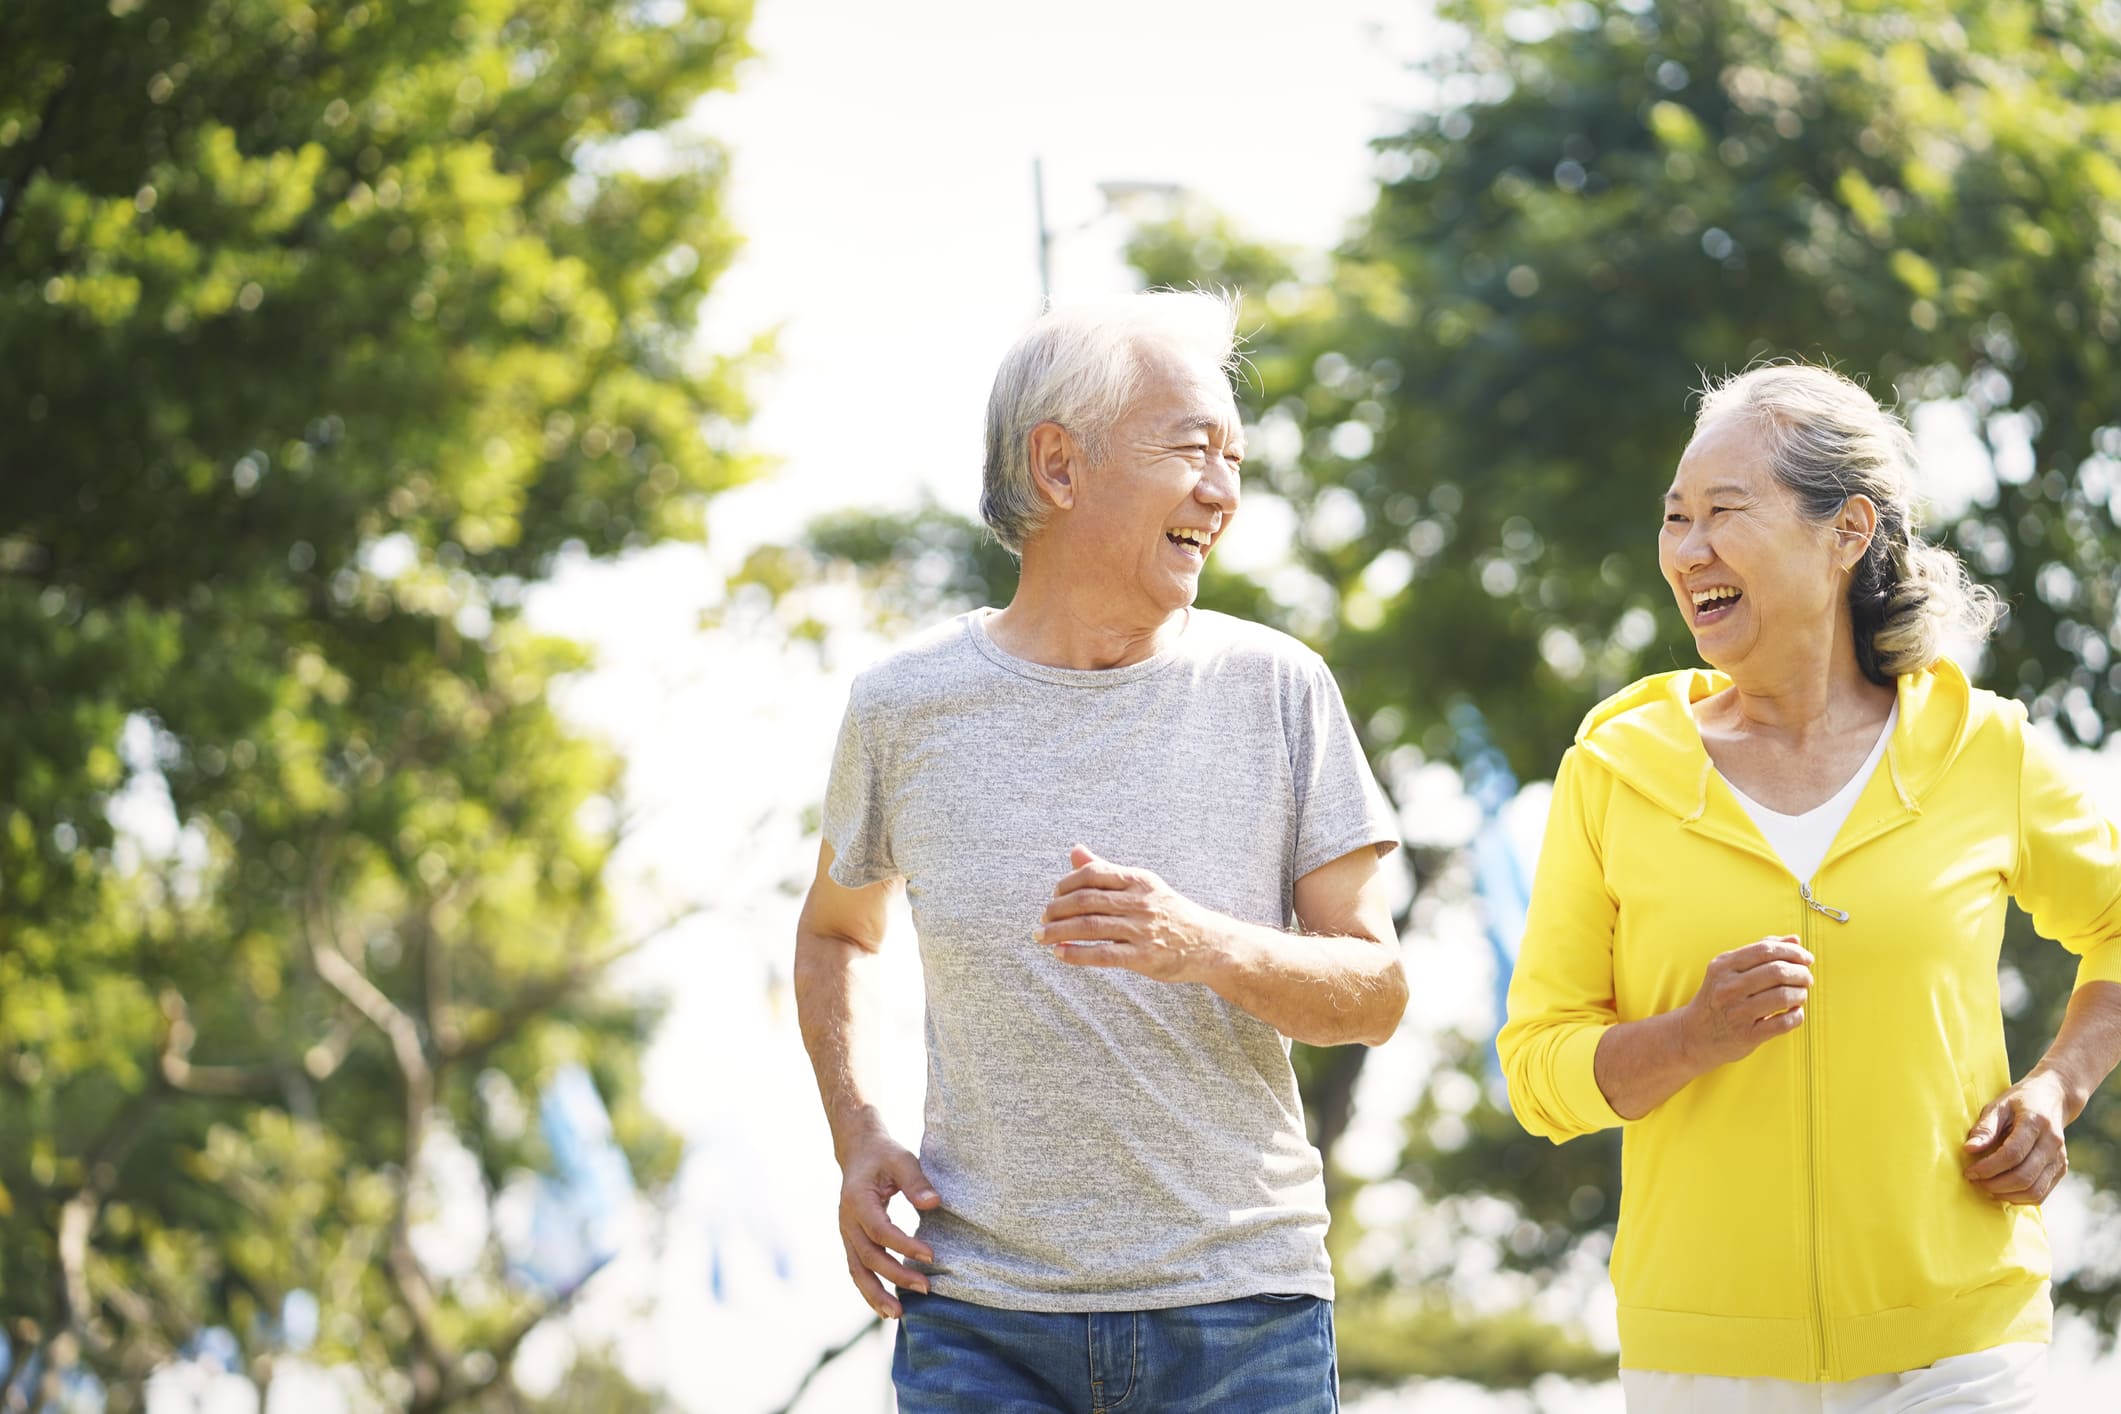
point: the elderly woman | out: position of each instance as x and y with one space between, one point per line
1764 939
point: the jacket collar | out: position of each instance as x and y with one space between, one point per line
1645 734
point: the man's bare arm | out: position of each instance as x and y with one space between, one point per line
1338 980
837 936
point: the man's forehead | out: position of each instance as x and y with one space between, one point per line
1203 420
1197 400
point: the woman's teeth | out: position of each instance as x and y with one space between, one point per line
1711 605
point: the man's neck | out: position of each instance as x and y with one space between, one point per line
1064 622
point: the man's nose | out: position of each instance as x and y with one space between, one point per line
1219 487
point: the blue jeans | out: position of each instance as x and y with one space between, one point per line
1254 1355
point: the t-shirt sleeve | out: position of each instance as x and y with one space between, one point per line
1339 807
854 822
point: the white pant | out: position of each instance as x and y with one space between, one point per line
2005 1380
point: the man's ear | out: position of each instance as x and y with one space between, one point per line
1056 464
1855 526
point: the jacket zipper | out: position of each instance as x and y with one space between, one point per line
1804 891
1822 1358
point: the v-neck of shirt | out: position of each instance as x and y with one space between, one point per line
1801 841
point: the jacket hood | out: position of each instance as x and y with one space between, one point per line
1645 734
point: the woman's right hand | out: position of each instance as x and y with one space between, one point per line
1749 996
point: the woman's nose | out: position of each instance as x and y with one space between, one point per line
1693 549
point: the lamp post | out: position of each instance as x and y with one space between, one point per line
1117 196
1045 235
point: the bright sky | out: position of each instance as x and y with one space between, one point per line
883 178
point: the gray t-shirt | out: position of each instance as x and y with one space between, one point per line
1103 1141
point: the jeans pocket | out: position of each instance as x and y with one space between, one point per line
1283 1298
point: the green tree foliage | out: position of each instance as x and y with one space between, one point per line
328 331
1496 373
1475 403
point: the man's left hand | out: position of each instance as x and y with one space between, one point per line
2015 1150
1107 915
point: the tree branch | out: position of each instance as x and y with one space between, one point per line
178 1073
818 1365
539 996
434 983
33 155
138 1354
504 1352
23 1340
77 1221
332 953
532 1000
321 1061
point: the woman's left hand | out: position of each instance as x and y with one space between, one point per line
2015 1151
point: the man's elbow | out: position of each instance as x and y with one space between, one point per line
1390 1008
822 956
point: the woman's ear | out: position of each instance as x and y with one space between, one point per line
1056 464
1854 528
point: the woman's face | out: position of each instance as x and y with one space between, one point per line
1760 585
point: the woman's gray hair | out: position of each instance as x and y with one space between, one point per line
1828 440
1079 366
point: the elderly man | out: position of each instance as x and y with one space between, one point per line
1142 849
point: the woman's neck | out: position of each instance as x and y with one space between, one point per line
1802 700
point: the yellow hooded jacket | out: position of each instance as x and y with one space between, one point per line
1802 1213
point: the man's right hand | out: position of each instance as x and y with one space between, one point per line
1749 996
871 1171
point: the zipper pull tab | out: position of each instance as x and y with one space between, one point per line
1809 902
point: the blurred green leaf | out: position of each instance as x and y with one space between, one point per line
330 330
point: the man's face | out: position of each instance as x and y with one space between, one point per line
1146 519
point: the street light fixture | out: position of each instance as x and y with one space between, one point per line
1117 196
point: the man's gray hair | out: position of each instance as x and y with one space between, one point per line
1828 440
1080 366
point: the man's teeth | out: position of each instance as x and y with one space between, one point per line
1709 598
1189 537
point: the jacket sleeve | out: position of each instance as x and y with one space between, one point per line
2068 873
1561 990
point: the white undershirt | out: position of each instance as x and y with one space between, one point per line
1801 841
